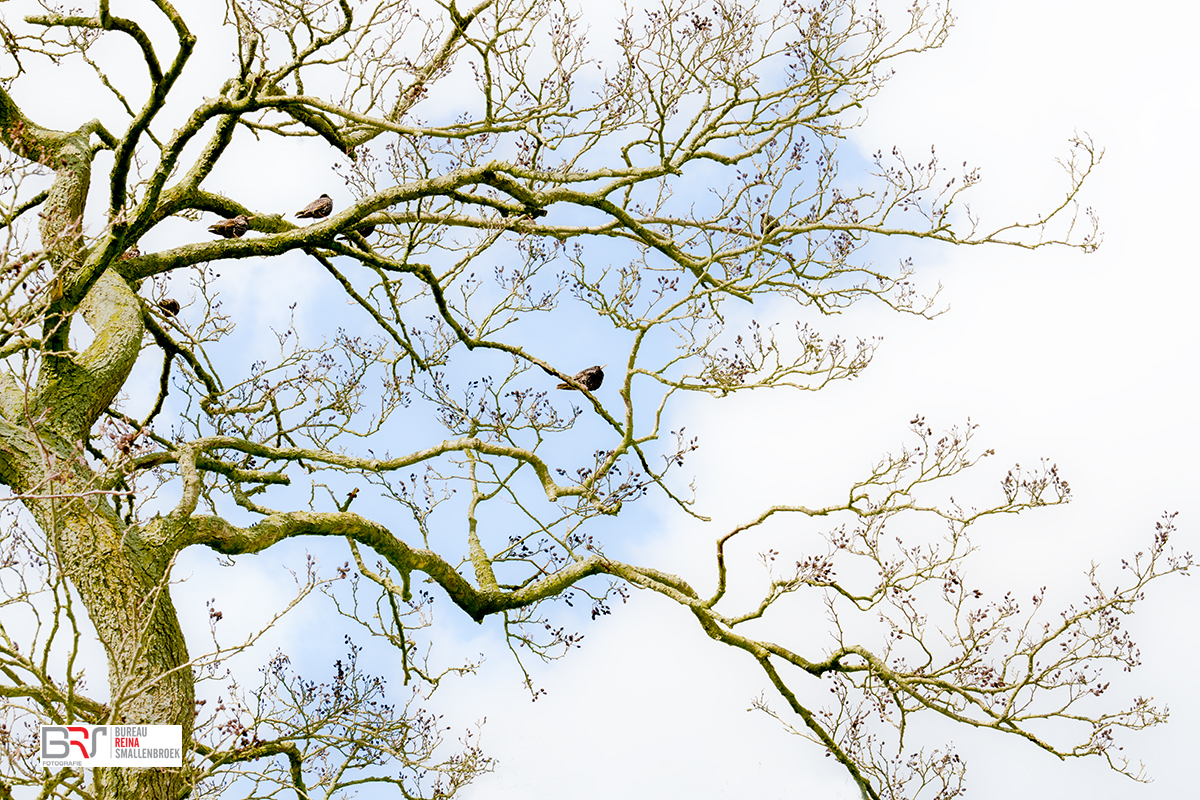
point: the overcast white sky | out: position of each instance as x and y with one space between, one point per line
1087 360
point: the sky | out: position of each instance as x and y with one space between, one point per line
1087 360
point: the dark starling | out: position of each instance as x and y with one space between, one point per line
231 228
590 378
365 231
769 225
170 306
321 207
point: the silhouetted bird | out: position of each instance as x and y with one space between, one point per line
170 306
365 231
591 378
769 224
231 228
321 207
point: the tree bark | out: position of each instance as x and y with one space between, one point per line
121 579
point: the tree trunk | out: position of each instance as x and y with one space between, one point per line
124 589
121 578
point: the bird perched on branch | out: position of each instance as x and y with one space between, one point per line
321 207
365 231
170 306
590 378
769 224
231 228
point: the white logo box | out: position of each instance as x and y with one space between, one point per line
111 746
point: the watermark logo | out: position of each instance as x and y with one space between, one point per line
111 746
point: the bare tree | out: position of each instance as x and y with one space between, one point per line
508 173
